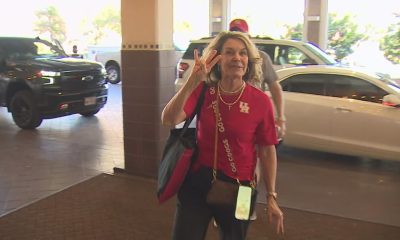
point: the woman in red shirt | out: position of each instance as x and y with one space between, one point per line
245 129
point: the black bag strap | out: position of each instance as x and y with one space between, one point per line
196 110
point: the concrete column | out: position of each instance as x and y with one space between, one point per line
219 15
148 75
316 22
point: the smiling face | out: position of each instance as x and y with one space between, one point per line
234 58
238 58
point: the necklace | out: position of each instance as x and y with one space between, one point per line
237 99
230 92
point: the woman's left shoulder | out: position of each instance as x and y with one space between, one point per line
257 93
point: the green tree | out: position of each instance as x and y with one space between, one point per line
109 19
49 22
295 32
390 44
342 35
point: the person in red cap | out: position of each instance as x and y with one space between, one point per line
239 25
270 77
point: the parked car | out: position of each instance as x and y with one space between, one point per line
38 80
110 57
283 54
112 62
342 110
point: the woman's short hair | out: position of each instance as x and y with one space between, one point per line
253 73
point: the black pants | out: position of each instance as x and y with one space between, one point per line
193 214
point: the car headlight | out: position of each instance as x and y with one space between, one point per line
50 74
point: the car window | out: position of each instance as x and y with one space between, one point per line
305 83
297 57
268 49
29 48
334 86
189 53
285 55
326 58
355 88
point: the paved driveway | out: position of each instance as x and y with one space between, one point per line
58 154
68 150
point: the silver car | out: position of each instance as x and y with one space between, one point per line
342 110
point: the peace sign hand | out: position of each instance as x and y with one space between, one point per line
203 65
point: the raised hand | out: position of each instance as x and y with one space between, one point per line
203 65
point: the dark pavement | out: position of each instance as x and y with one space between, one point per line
125 207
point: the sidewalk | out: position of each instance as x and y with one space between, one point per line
122 206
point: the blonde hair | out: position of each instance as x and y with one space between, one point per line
253 72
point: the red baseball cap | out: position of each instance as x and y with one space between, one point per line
239 25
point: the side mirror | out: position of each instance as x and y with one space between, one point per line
391 100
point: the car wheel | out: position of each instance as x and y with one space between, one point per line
24 110
113 74
89 113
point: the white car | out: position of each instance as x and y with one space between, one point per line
283 54
112 63
342 110
110 57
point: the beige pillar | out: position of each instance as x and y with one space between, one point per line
219 15
148 75
315 22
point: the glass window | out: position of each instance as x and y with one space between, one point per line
355 88
268 49
297 57
328 60
189 53
282 55
305 83
288 55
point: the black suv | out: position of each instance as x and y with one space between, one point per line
39 81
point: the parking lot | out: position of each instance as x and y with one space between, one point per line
69 150
58 154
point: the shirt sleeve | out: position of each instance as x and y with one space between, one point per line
191 102
266 130
269 73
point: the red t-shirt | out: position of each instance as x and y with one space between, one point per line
248 123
